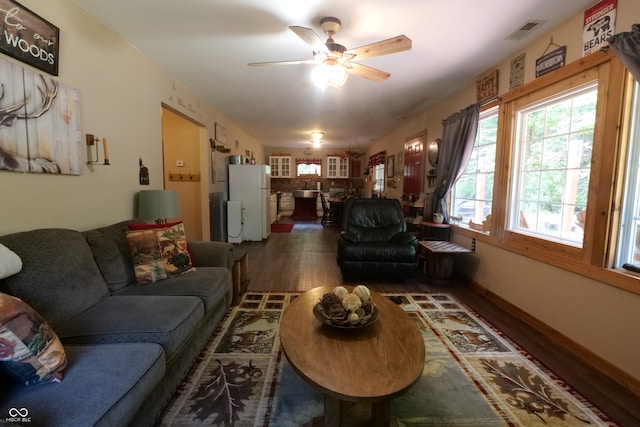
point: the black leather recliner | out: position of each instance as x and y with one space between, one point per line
374 242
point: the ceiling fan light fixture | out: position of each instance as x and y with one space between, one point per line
329 75
315 143
317 135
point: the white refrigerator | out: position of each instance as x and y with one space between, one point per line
251 185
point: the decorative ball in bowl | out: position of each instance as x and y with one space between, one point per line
343 309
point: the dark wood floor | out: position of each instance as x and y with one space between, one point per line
306 258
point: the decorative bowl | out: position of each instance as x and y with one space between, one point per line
325 318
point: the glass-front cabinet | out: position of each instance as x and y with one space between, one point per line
280 166
337 167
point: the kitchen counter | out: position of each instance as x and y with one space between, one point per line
305 207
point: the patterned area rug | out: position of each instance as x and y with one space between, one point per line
473 375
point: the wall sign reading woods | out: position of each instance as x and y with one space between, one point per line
28 38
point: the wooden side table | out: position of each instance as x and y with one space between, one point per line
433 231
440 259
240 273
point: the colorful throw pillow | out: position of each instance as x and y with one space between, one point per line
30 350
159 251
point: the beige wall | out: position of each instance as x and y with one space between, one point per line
601 318
121 93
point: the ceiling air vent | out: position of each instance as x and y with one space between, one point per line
524 30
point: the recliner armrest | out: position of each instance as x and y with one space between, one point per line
350 237
404 238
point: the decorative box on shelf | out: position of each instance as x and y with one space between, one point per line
413 211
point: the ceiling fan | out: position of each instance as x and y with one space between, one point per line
337 57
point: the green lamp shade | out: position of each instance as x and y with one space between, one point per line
158 204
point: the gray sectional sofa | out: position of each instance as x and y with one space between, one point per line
128 346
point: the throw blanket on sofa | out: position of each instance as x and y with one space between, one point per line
10 263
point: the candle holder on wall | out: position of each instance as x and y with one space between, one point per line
94 142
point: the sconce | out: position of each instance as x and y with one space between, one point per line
92 141
432 151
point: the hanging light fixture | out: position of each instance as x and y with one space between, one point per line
316 137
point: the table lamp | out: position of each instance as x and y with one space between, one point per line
158 205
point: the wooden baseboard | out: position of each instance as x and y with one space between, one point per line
586 356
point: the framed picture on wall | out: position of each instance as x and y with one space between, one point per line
221 134
399 163
390 166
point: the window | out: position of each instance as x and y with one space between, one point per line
552 164
629 242
562 162
309 169
473 193
378 178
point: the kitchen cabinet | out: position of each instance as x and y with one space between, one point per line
337 167
356 171
287 203
280 166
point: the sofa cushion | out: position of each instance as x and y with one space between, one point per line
210 284
30 350
164 320
159 252
104 385
59 277
112 254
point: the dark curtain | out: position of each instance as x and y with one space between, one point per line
627 47
458 136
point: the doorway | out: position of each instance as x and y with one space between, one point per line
181 152
413 164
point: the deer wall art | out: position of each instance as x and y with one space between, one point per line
39 123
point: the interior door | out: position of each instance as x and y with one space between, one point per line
414 164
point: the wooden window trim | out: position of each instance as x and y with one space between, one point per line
595 258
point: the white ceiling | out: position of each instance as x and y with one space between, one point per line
206 45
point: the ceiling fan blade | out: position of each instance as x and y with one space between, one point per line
310 37
384 47
370 73
259 64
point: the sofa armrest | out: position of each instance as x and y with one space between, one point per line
211 254
404 238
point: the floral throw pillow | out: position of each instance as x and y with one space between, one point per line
30 350
159 251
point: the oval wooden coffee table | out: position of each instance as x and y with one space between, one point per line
371 365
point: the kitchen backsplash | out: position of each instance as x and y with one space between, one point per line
353 185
